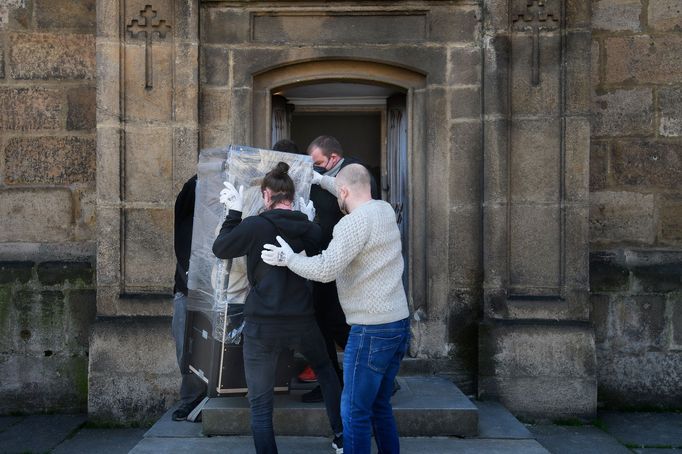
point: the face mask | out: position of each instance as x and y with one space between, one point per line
319 169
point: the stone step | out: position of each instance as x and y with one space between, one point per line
426 406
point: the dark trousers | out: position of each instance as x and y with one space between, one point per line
331 320
260 363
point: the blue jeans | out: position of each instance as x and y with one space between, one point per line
370 363
192 388
260 363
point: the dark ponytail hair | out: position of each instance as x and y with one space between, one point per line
280 184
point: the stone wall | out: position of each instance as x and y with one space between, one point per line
47 202
636 201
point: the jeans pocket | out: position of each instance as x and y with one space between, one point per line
382 350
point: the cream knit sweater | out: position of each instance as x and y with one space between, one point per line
365 258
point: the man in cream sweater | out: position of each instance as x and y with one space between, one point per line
364 256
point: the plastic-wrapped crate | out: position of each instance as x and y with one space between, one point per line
215 284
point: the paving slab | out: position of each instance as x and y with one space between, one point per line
109 441
576 440
495 421
166 427
657 451
39 433
644 429
313 445
8 421
424 406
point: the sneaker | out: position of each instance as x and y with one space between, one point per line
308 375
312 396
337 444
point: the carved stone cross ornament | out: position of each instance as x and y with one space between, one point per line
148 24
536 15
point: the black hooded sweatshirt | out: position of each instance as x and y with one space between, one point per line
279 299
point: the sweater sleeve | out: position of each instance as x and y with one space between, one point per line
329 184
350 235
234 239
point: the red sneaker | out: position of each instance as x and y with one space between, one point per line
307 376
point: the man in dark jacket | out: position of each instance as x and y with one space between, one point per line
192 388
278 312
328 158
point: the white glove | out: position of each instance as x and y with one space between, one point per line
231 198
277 256
317 178
307 209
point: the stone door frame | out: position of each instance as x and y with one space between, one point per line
266 82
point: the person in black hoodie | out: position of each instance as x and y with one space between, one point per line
278 311
192 388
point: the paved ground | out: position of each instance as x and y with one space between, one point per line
499 432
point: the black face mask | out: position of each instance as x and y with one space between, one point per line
319 169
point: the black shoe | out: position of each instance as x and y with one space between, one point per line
313 396
396 387
337 444
185 409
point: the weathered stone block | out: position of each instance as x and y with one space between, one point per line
622 216
596 64
535 160
338 27
52 56
671 219
577 159
128 383
80 311
647 163
2 63
224 26
644 59
454 24
535 249
639 322
658 278
465 238
578 73
30 108
216 66
546 370
578 14
670 107
148 247
53 273
108 164
466 103
623 113
676 303
496 75
616 15
214 109
38 323
82 110
186 20
11 271
141 103
466 66
606 275
85 208
600 318
185 160
149 165
186 83
50 160
66 14
35 214
526 98
640 380
599 165
665 15
109 83
465 168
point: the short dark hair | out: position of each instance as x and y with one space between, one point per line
280 183
286 146
326 144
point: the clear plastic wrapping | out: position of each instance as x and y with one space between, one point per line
218 288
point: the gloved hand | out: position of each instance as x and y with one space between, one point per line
231 198
277 256
307 209
317 177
